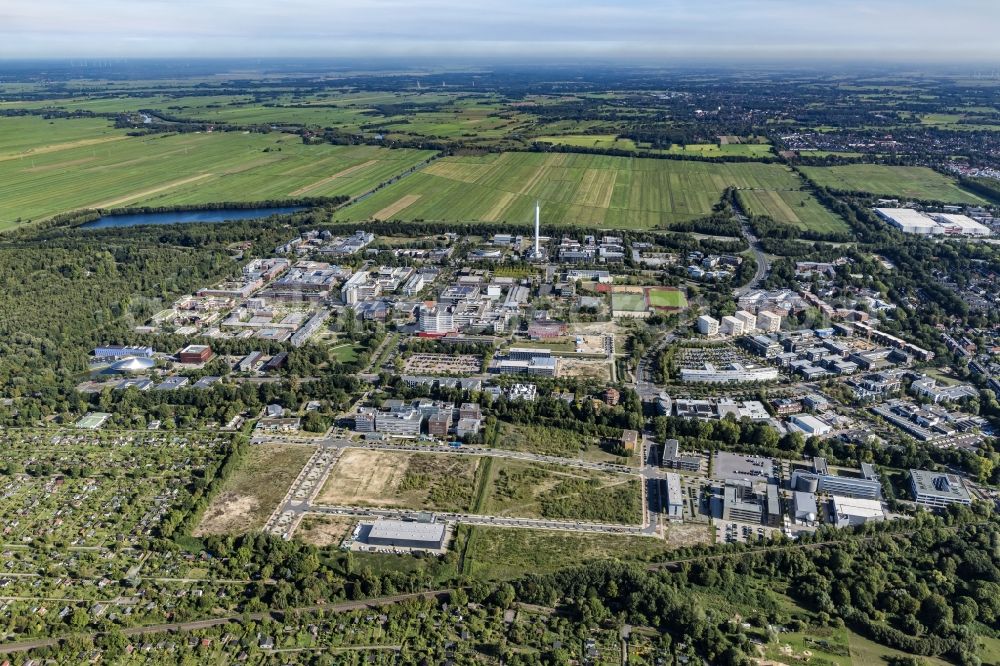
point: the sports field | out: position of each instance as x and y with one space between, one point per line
628 302
800 209
574 189
666 297
894 181
107 170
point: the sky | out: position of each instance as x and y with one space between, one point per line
640 30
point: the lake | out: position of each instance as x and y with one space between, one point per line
185 216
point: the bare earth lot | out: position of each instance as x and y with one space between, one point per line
324 530
254 490
401 479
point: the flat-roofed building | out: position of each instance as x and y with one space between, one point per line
438 424
195 354
731 326
851 511
749 320
708 325
938 489
804 506
819 479
674 497
810 425
909 221
675 459
768 322
960 225
406 534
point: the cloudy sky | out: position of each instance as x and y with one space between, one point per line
927 30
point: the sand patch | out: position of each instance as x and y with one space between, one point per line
390 210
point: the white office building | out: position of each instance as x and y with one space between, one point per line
768 322
731 326
708 325
748 319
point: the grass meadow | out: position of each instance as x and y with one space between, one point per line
910 182
45 174
574 189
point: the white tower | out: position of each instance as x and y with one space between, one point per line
538 213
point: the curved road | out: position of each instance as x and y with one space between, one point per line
763 265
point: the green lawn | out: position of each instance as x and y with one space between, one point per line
574 189
800 209
628 302
893 181
61 175
667 298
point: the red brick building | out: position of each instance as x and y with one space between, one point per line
195 354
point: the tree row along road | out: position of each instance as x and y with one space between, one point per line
342 607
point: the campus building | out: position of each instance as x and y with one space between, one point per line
820 480
937 489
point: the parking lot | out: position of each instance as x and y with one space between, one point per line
443 364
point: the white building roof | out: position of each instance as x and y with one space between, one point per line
857 507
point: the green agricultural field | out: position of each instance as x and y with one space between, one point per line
800 209
28 136
574 189
108 170
724 150
590 141
893 181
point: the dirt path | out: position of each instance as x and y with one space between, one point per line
150 191
56 147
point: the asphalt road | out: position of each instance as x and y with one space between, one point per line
763 265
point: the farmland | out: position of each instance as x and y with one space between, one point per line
892 181
195 168
590 141
799 209
574 189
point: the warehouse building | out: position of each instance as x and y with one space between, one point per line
909 221
405 534
937 489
